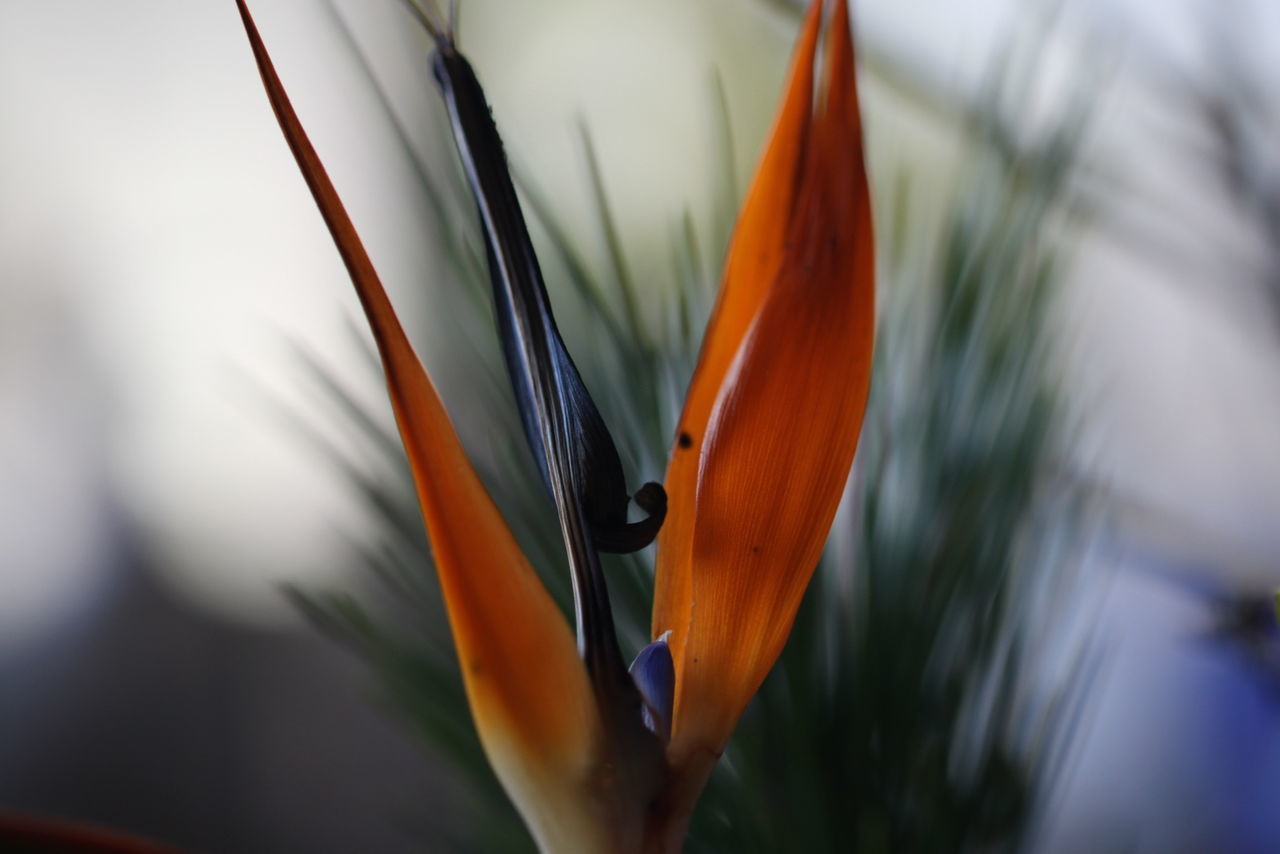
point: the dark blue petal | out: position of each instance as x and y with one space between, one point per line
654 673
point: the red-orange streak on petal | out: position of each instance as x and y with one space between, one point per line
31 834
783 432
527 687
749 270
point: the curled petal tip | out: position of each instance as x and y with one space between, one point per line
627 537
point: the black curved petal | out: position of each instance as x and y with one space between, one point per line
531 342
568 438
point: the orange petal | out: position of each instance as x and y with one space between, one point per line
749 272
782 433
529 693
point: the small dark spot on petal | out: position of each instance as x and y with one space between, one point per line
685 440
755 550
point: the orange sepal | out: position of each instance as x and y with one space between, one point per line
529 693
785 424
750 268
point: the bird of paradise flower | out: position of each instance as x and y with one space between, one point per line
598 757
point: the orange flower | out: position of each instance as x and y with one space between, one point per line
773 413
596 760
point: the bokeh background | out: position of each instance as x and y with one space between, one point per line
162 267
